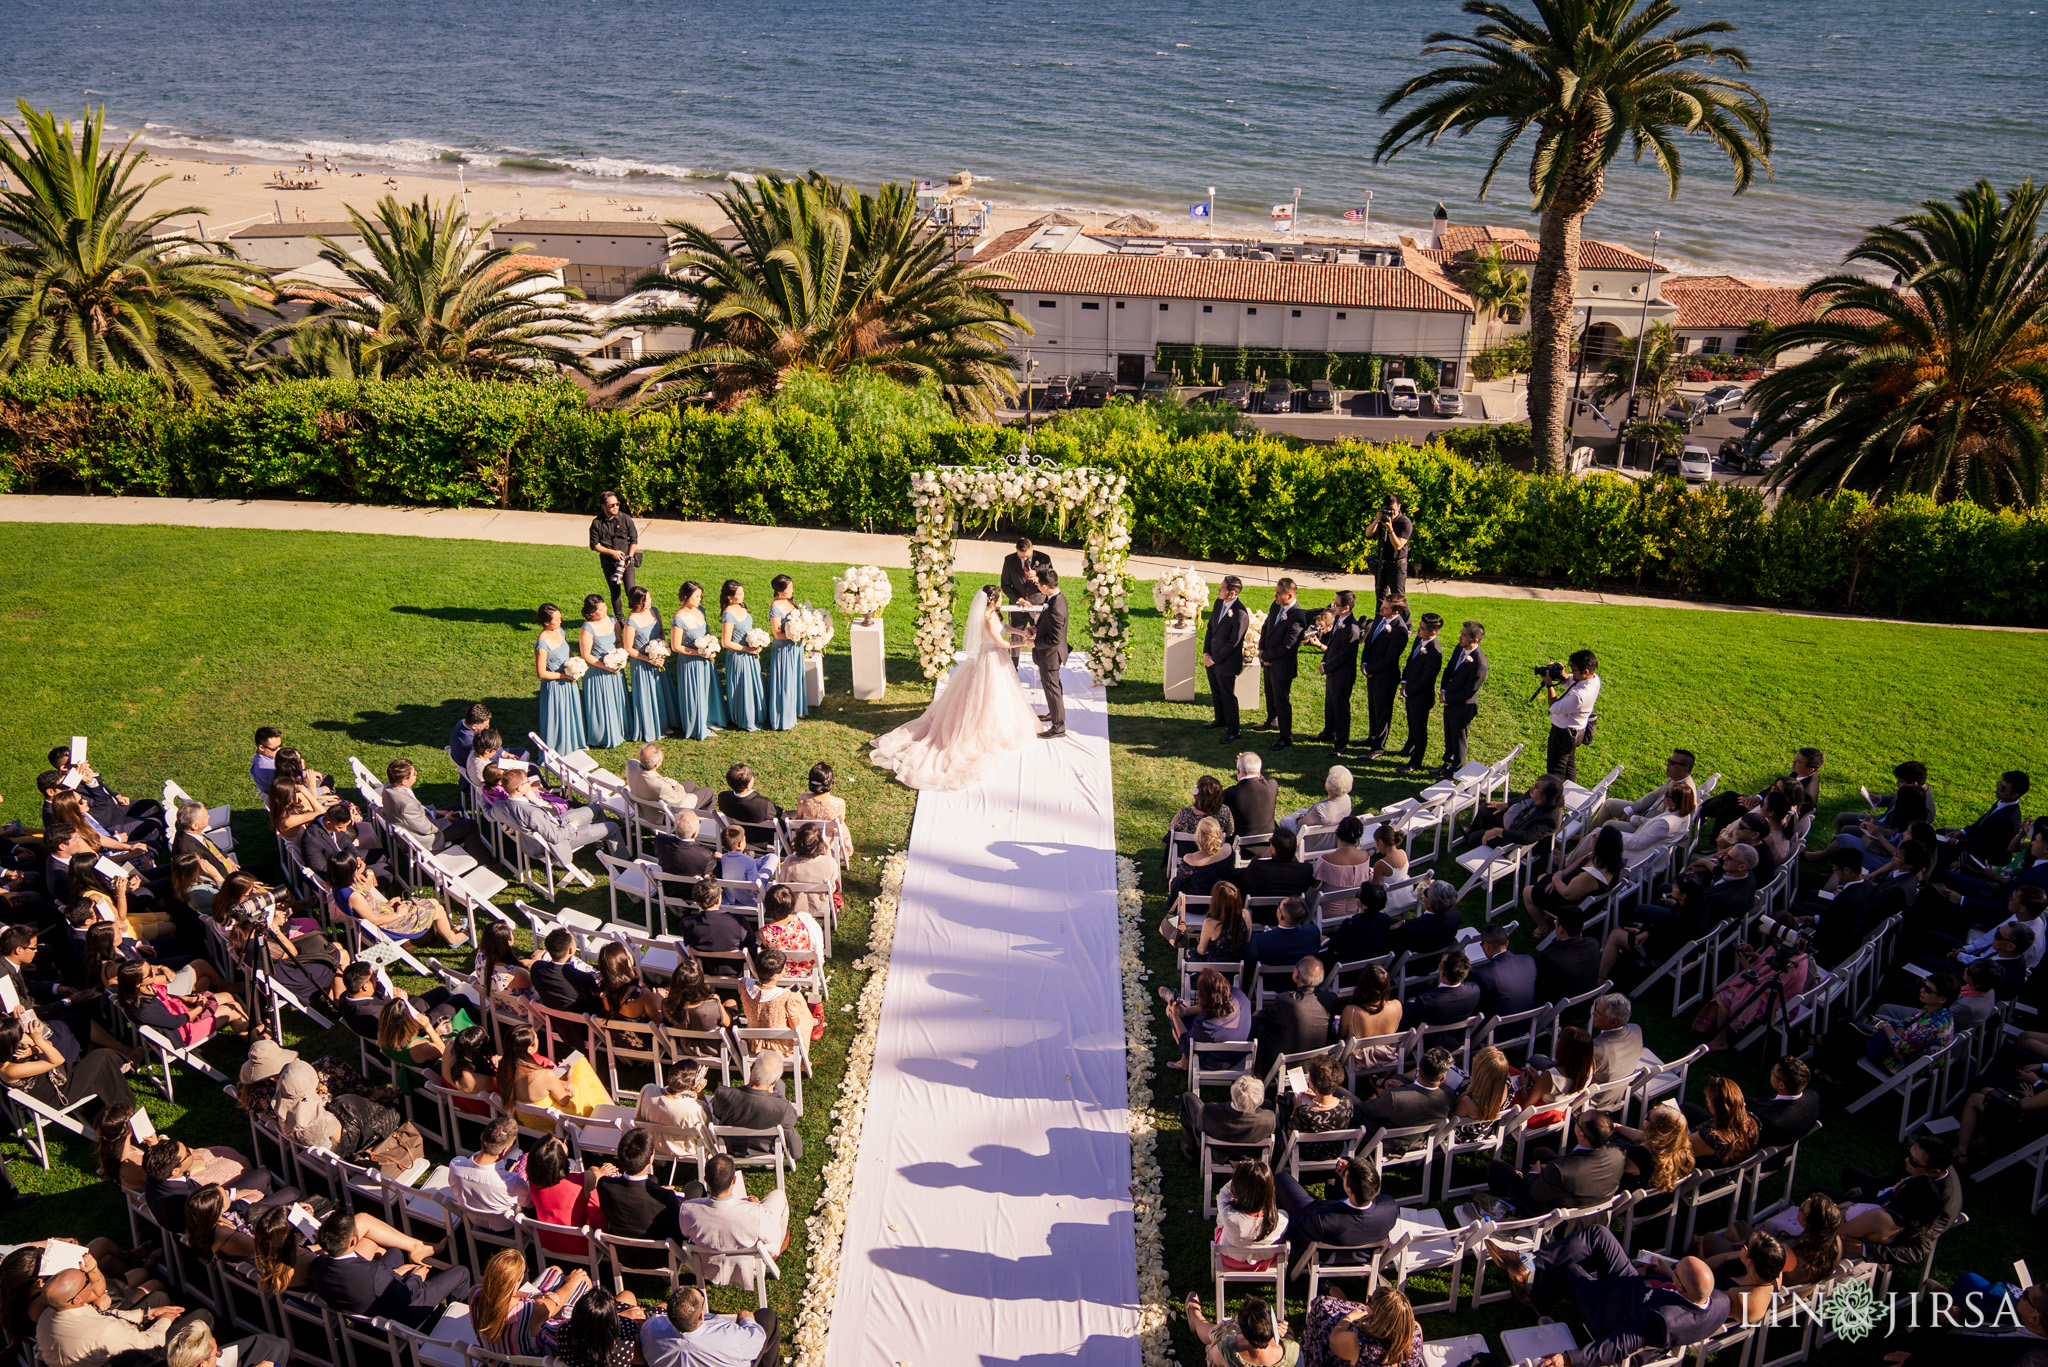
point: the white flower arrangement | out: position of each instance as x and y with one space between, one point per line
1094 497
709 645
827 1225
1147 1203
756 639
863 591
1181 595
574 668
810 628
614 659
656 653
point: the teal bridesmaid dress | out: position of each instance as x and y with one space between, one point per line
604 695
561 705
699 710
652 713
786 701
745 706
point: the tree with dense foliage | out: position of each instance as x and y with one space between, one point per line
430 301
1588 78
1933 383
1498 290
1650 365
819 276
94 282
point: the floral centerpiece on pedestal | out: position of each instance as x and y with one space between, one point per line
1180 595
862 592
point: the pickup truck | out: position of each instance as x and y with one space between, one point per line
1403 397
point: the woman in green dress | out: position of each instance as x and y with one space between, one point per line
744 703
699 698
652 710
561 702
785 663
604 688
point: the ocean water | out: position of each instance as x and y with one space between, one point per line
1102 104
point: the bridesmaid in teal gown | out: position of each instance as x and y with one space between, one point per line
699 704
561 703
744 703
786 701
652 710
604 690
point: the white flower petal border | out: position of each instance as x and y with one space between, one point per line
826 1228
1147 1204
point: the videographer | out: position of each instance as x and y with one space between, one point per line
1571 713
1390 564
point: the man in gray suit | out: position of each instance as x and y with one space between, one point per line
436 829
530 811
1617 1047
728 1224
1049 652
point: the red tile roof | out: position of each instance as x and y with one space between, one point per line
1230 281
1729 302
1519 246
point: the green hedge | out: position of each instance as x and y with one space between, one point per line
841 455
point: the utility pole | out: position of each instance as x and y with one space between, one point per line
1642 323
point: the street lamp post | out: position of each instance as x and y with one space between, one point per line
1642 326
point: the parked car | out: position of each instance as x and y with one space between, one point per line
1059 392
1095 389
1158 385
1746 455
1403 397
1696 464
1278 398
1722 398
1450 403
1321 397
1238 394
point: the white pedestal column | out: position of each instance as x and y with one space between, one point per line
868 676
814 680
1248 691
1183 663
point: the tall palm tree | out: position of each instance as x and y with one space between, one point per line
91 285
1934 385
1589 77
1497 288
1653 377
430 301
824 277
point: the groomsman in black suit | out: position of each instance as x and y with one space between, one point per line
1418 686
1049 652
1020 581
1279 657
1384 641
1339 645
1463 677
1223 655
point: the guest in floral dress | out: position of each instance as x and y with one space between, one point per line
771 1006
1341 1332
822 804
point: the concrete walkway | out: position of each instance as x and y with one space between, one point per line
801 545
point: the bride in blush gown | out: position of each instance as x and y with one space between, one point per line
981 713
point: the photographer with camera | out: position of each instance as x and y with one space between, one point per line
1571 714
1769 974
1390 562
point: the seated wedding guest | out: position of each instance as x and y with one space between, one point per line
562 982
1295 937
1373 1012
1280 874
486 749
820 803
1243 1119
688 1335
1207 802
1724 1133
1507 981
1752 1275
1365 933
758 1104
560 1195
470 1067
771 1006
392 1286
120 1157
263 765
1617 1043
490 1189
1224 935
736 865
1293 1022
304 963
633 1204
1569 1073
308 1115
1575 887
709 928
438 828
1248 1217
508 1320
193 1345
32 1064
729 1225
357 897
140 819
676 1105
1381 1333
1622 1311
681 853
1677 776
1219 1014
1335 806
462 736
689 1003
1485 1094
1250 1338
1895 1044
1570 965
2001 1118
1453 1000
1433 928
1212 862
1326 1105
1915 1211
215 864
1816 1249
621 992
186 1019
649 785
1659 1155
171 1174
411 1042
1346 866
562 829
1389 853
1585 1176
1401 1103
500 964
1914 801
80 1328
811 865
1792 1112
527 1077
362 999
330 839
1528 820
742 803
1250 800
1355 1214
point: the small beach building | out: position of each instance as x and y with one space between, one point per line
1612 283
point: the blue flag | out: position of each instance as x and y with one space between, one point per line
1198 211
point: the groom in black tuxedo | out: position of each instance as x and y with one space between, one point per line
1223 654
1049 651
1020 581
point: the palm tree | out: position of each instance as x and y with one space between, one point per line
823 277
1497 288
90 284
429 301
1933 385
1654 378
1588 77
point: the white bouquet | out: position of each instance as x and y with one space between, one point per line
1181 595
756 639
613 659
574 668
656 653
863 591
708 645
811 628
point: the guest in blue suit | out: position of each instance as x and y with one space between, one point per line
1452 1001
1623 1311
1507 982
1363 1217
1293 940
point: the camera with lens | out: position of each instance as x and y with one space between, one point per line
254 910
1784 934
1549 673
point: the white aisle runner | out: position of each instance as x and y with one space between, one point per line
991 1220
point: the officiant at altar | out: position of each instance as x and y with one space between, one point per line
1020 582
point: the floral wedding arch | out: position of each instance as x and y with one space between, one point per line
943 497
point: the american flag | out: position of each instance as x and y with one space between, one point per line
1354 215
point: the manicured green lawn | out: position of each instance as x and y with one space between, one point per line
169 646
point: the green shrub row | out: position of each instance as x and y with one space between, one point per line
841 454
